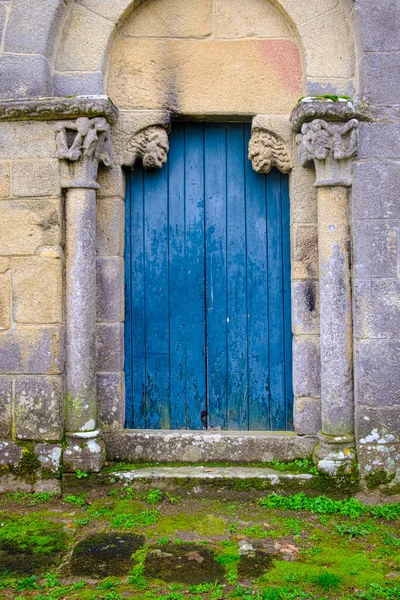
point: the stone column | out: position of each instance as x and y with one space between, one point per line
82 145
331 146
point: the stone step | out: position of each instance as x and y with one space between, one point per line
190 481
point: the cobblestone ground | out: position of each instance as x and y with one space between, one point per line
152 544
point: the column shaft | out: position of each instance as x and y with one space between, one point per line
335 311
80 309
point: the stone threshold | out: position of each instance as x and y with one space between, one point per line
204 472
205 446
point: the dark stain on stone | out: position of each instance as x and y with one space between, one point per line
252 566
13 561
310 296
183 563
105 555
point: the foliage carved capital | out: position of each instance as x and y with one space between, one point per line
330 146
83 145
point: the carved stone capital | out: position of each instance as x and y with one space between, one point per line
151 146
270 144
330 146
83 144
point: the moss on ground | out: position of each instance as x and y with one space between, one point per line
311 548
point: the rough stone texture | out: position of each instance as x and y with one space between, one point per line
185 80
307 366
178 18
307 416
25 225
378 439
110 290
65 84
305 307
10 453
37 290
305 252
378 375
380 86
49 456
27 140
303 196
183 446
32 350
39 408
376 308
110 347
375 250
379 25
4 179
32 26
4 264
237 19
82 48
5 301
84 454
36 178
24 76
111 399
111 182
6 394
376 190
110 226
322 44
379 140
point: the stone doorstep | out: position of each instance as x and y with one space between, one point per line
243 447
225 483
211 473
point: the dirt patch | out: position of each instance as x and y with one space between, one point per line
183 563
105 555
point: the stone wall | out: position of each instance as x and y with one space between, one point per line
31 290
183 56
375 227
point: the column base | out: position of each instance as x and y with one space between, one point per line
85 451
334 453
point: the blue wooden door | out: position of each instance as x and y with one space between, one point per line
208 340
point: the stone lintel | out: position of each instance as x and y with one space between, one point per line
311 108
57 109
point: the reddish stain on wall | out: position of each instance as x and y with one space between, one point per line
284 57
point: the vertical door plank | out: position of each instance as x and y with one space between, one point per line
195 281
256 205
216 273
287 333
236 280
157 299
177 276
135 240
275 301
128 365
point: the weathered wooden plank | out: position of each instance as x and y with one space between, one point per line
236 317
135 272
177 277
216 273
275 301
157 299
287 334
195 277
256 204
